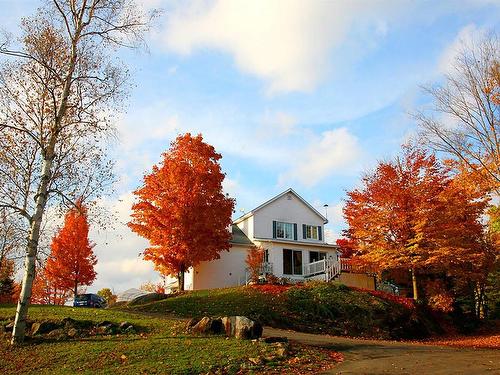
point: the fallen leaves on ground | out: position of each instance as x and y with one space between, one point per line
491 341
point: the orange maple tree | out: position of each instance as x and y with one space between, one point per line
254 260
182 209
46 291
411 214
71 261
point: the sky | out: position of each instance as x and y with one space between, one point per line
292 93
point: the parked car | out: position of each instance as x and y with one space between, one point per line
89 300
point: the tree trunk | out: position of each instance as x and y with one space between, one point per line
41 197
180 278
414 284
75 290
479 300
19 329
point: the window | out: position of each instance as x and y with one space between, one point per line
284 230
315 256
292 262
311 232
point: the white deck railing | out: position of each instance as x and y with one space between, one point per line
315 268
329 267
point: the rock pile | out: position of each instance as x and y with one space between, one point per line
240 327
70 328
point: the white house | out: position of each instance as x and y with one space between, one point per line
292 233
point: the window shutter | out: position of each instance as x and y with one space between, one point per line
303 231
320 235
295 231
274 229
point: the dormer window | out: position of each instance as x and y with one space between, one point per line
285 231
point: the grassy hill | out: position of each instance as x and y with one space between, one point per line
314 307
158 346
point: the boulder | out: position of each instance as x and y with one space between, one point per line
105 329
72 332
245 328
9 327
104 323
68 322
40 328
130 330
191 323
57 334
229 324
124 325
208 325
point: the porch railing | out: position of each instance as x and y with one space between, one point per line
329 267
315 268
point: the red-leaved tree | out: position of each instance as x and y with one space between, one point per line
182 209
46 291
410 214
254 260
71 261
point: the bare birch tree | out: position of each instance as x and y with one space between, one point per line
58 89
465 119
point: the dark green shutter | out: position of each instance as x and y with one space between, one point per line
303 231
320 235
274 229
295 231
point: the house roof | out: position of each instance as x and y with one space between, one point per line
301 243
238 237
291 191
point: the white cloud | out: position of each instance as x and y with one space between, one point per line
466 38
286 42
120 265
281 122
336 151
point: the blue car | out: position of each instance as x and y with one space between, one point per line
89 300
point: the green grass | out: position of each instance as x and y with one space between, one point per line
163 348
316 307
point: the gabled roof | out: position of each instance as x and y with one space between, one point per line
238 237
291 191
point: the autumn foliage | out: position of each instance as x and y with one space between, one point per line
254 260
181 208
410 214
46 291
71 261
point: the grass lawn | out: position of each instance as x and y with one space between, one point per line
315 307
162 347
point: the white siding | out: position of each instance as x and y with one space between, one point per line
247 227
227 271
287 210
276 255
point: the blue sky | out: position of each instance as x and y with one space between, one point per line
301 94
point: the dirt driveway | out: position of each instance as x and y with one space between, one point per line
387 357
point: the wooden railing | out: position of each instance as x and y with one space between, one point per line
314 268
329 267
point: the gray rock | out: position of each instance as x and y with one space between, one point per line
9 327
68 322
72 332
246 328
130 330
40 328
57 334
124 325
229 324
208 326
191 323
104 323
